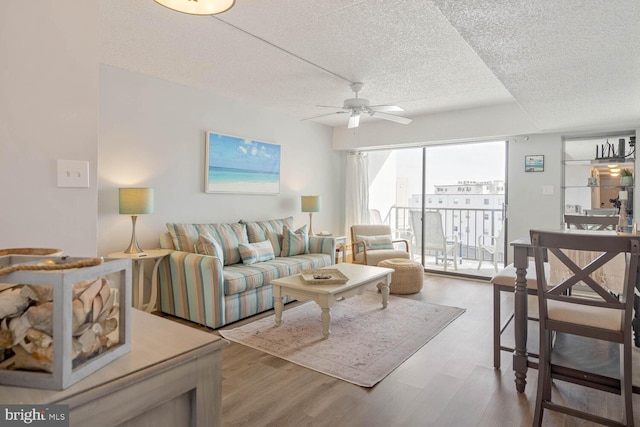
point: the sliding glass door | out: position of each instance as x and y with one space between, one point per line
448 201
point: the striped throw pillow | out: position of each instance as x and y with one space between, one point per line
207 245
256 252
227 235
295 243
259 231
377 242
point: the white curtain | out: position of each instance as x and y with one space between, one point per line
357 190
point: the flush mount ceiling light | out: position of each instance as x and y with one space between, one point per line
198 7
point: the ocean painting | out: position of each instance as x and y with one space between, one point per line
534 163
241 165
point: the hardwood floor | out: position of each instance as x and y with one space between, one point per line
448 382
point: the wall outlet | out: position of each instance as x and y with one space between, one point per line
73 173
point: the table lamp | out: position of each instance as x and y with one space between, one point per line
310 204
135 201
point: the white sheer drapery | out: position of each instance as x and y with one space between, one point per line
357 190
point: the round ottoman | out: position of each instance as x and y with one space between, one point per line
407 276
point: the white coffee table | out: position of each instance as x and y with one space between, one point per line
360 276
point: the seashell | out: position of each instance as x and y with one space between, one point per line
19 327
40 317
5 286
39 338
96 307
105 291
6 338
79 315
107 305
80 287
24 360
38 293
44 355
76 348
109 325
89 295
12 302
97 329
87 340
28 346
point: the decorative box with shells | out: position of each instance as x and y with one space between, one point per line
58 326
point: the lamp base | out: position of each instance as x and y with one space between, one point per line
133 248
311 224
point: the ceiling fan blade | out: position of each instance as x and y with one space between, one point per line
354 121
324 115
391 117
386 108
330 106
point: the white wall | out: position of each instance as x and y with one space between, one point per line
152 133
48 111
528 206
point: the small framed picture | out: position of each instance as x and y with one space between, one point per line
534 163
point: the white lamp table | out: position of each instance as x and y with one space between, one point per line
138 265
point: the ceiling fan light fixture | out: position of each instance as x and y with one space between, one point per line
354 120
198 7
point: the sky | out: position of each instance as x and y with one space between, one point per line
448 164
241 153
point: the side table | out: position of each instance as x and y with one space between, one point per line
340 241
171 377
138 264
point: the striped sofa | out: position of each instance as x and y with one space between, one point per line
217 290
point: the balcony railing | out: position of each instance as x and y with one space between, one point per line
467 224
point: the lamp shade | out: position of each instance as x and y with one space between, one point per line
310 203
199 7
134 201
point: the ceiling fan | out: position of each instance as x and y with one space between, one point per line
356 106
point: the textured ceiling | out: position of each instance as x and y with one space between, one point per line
566 63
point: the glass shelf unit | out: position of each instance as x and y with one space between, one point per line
595 183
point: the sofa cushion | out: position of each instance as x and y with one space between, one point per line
294 243
228 235
256 252
271 230
207 245
239 278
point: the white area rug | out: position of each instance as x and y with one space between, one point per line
366 343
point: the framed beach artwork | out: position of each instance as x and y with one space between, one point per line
241 165
534 163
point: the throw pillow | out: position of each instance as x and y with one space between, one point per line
295 243
207 245
376 242
259 231
256 252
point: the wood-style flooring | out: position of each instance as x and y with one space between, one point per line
448 382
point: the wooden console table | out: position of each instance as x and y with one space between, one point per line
171 377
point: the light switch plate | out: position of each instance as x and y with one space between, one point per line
547 190
73 173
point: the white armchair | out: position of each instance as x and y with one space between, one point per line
371 244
